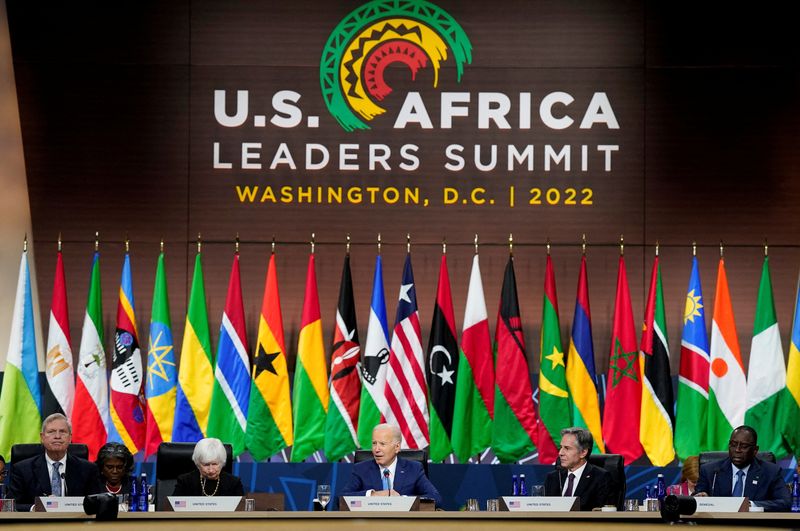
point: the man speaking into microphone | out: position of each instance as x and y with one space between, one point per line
387 474
742 474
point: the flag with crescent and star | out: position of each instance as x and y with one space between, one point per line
442 368
341 425
374 362
269 417
127 373
622 411
406 389
657 419
59 391
227 418
162 370
553 397
310 398
514 428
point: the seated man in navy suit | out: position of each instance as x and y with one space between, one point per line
742 474
575 476
387 474
54 472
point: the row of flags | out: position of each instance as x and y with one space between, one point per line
460 395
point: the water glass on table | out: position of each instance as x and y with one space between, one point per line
472 504
492 505
323 495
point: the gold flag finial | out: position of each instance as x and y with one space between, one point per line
59 241
721 249
547 244
379 243
656 247
199 242
162 245
127 244
347 247
313 242
236 244
96 241
25 243
476 243
511 244
444 245
694 248
766 248
408 243
583 244
621 245
272 249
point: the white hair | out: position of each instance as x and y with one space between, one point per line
54 417
395 431
209 450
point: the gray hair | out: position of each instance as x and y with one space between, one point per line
395 431
54 417
583 437
209 450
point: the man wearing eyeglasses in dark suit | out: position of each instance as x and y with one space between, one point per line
742 474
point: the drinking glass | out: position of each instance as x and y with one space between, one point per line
492 505
472 504
324 495
249 505
631 505
7 505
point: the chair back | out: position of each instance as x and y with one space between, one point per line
420 456
710 457
174 459
614 464
20 452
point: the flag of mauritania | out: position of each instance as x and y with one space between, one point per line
310 399
691 417
474 402
791 409
766 375
727 387
375 362
20 399
196 371
59 395
345 385
514 427
656 424
553 397
580 365
622 410
162 374
442 368
269 417
90 418
227 418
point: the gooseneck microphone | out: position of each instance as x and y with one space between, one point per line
713 482
64 479
388 481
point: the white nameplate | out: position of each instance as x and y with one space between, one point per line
541 503
204 503
62 504
380 503
720 504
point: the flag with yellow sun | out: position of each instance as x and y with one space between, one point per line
554 408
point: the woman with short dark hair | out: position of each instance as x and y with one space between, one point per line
115 463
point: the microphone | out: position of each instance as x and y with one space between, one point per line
714 481
64 479
388 482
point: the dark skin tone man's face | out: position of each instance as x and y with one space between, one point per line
742 448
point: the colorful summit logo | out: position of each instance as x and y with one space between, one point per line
377 34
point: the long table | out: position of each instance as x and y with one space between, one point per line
438 521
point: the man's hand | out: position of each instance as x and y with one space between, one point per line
386 493
699 494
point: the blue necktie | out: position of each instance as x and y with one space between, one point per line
738 489
55 480
385 479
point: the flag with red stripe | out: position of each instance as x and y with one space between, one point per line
59 393
406 391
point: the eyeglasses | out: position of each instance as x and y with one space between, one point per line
736 445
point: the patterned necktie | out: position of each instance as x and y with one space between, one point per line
738 489
570 484
55 480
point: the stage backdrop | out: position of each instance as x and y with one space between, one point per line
667 123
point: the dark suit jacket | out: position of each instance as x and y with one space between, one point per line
594 488
31 478
189 485
763 484
409 480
